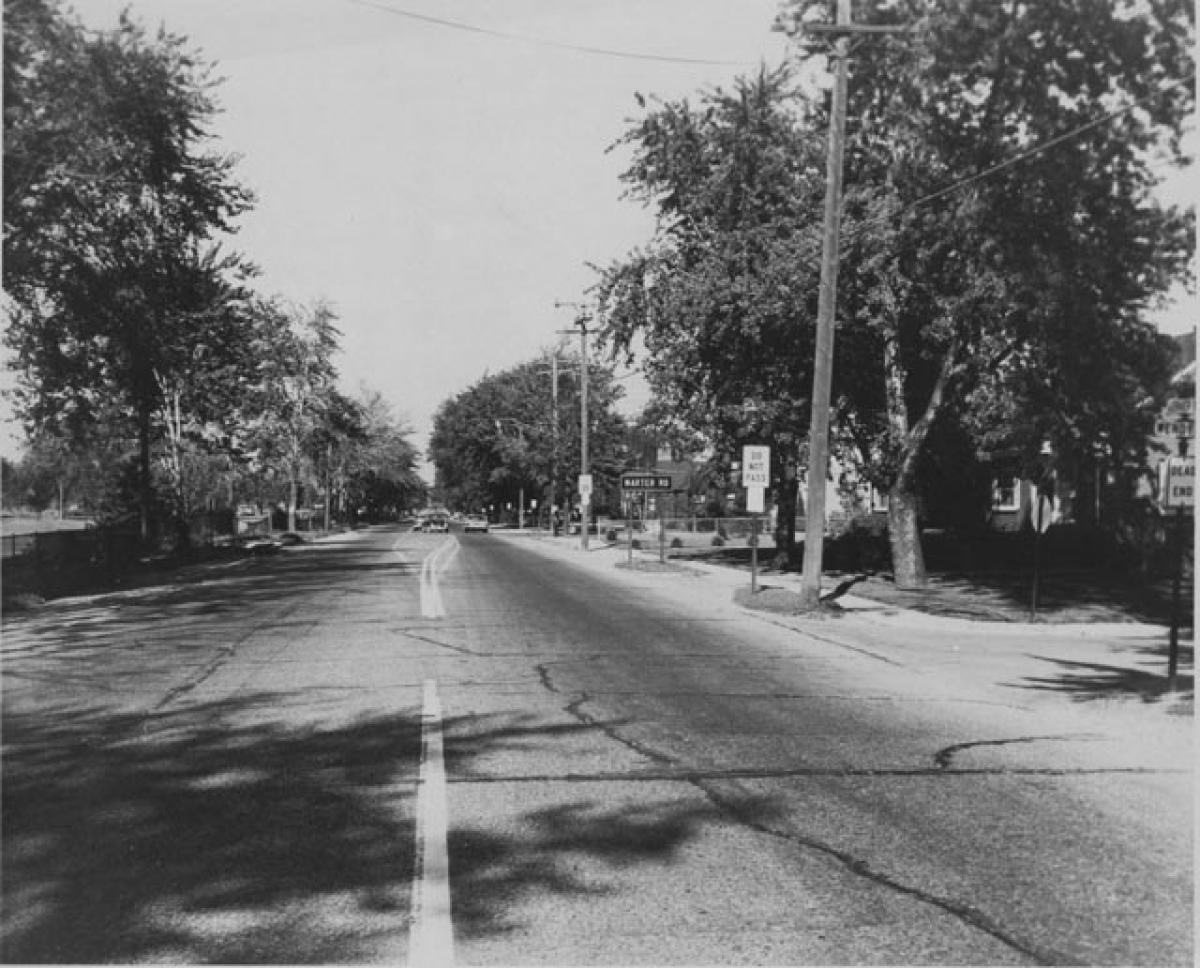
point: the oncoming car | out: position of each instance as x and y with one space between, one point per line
476 522
437 525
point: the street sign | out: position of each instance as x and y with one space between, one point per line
1178 483
585 486
646 482
756 466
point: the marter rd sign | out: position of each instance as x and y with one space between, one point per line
646 482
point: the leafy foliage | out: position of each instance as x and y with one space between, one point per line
502 435
149 375
118 296
1001 242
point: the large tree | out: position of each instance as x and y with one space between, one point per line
1002 241
293 404
381 473
111 206
502 436
720 302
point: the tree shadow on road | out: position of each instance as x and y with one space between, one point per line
1089 681
219 833
185 835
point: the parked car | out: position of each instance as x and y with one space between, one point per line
476 522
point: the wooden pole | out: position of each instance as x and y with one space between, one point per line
818 440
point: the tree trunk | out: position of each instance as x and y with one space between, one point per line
904 535
785 519
904 530
145 482
292 499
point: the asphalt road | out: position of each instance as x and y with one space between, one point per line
243 768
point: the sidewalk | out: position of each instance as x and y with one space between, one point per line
1118 669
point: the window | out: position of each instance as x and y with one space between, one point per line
1006 494
878 500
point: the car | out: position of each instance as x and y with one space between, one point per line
476 522
437 525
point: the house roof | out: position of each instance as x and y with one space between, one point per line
1185 376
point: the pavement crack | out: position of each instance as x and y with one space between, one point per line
223 655
944 758
544 675
575 710
966 913
808 633
432 641
677 773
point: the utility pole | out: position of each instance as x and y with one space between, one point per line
585 497
554 438
818 443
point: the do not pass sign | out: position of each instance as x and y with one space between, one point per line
756 466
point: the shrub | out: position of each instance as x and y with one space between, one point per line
862 546
718 541
676 542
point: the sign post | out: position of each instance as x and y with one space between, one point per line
1179 492
1041 513
756 476
644 482
629 528
585 509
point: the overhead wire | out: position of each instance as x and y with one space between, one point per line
542 42
1021 156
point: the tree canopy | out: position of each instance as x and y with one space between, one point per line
503 435
1001 247
142 353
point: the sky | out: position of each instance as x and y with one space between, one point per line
444 184
444 187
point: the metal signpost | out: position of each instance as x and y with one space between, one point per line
1178 491
1042 512
585 508
643 482
756 476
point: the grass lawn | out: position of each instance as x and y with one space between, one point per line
11 523
1063 596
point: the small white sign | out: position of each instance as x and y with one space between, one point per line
1179 482
754 500
756 466
585 486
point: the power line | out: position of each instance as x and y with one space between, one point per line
859 227
1022 155
526 39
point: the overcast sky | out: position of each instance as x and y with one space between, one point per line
442 185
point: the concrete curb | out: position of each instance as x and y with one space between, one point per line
885 614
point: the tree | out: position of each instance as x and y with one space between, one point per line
499 437
379 469
110 207
1025 288
722 298
294 392
1001 240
